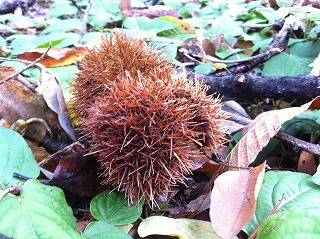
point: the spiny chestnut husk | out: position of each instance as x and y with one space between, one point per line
116 55
146 127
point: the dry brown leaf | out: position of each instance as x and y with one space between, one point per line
55 57
125 5
233 200
259 132
307 163
53 95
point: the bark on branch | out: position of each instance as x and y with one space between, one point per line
250 86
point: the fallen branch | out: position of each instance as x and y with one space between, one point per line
251 86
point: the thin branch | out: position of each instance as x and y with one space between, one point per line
271 51
85 21
32 64
255 232
303 145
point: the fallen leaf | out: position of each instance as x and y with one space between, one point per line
187 28
125 5
182 228
259 132
200 204
54 58
233 200
53 95
307 163
152 12
20 102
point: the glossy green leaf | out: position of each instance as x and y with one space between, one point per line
292 224
104 230
113 207
299 190
39 212
15 156
144 23
286 65
316 177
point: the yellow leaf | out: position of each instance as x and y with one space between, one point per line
182 228
184 25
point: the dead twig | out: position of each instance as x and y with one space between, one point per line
85 21
255 232
301 144
32 64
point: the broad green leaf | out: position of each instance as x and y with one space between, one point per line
39 212
292 224
113 207
104 230
300 193
144 23
104 11
305 123
205 68
68 25
227 26
316 177
23 21
65 74
183 228
309 49
286 65
2 41
15 156
62 8
20 43
57 40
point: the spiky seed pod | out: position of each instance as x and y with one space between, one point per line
117 54
147 133
146 127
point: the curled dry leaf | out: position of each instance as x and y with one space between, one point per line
257 134
234 193
53 95
307 163
54 58
233 200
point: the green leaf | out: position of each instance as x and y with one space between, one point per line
66 74
305 123
20 43
15 156
286 65
104 230
227 26
183 228
113 207
144 23
300 193
58 40
316 177
104 11
68 25
205 68
292 224
305 49
62 8
39 212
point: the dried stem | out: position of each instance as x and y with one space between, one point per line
15 75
